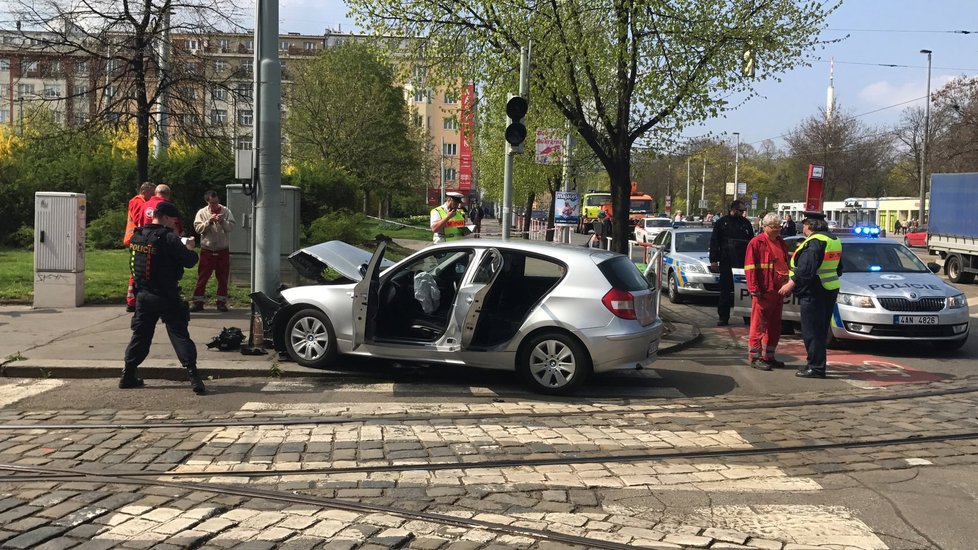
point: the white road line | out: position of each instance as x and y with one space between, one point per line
805 525
422 389
16 389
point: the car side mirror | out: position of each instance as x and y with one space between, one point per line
933 267
363 270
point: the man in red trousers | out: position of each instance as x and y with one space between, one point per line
766 270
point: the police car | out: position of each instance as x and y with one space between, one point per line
686 263
886 293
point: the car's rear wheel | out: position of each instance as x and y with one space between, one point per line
906 242
673 284
554 363
310 339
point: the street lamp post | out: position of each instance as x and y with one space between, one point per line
923 146
736 163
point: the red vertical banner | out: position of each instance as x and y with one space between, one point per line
466 131
813 193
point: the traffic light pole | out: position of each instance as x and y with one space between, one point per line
507 220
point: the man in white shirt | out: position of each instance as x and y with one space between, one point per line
214 222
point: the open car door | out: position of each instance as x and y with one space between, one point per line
490 266
365 298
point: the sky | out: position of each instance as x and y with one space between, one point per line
878 32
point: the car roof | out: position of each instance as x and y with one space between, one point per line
690 229
545 248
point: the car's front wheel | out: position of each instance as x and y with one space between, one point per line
554 363
310 339
674 295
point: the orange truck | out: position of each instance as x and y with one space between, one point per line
641 205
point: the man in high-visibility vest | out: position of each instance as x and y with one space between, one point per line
448 220
814 274
134 219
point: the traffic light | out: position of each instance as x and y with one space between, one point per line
515 133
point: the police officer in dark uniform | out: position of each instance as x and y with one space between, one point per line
157 260
728 247
814 277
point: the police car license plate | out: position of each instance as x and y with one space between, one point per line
915 319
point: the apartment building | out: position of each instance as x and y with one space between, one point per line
215 94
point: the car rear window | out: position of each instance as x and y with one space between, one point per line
622 274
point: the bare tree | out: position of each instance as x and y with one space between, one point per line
855 156
109 54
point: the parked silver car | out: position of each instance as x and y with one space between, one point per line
686 263
553 313
886 293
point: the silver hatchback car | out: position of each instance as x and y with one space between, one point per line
553 313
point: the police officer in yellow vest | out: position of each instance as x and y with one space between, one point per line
814 277
448 220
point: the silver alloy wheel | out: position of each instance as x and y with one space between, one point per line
309 338
552 364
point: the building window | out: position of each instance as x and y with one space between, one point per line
193 45
4 64
52 91
113 65
246 118
224 44
245 143
419 121
245 91
421 95
451 97
220 65
25 90
30 66
189 119
219 116
189 93
248 67
110 91
309 46
193 68
4 116
81 67
250 45
54 68
220 94
283 45
451 123
449 149
449 174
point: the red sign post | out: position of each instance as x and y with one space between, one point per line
813 194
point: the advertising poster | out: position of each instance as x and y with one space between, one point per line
567 208
549 146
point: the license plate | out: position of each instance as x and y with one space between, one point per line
915 319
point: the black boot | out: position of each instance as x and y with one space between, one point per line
196 383
129 380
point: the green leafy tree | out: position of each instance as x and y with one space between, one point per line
345 110
617 70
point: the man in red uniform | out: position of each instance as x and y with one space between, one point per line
134 215
766 270
162 195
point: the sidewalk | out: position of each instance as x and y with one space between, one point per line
89 341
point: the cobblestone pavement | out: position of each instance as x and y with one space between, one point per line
593 471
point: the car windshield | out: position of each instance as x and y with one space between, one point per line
693 241
658 223
871 257
598 200
641 205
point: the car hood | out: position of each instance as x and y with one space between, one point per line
338 255
909 285
698 257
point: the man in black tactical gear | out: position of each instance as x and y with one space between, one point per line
157 260
728 246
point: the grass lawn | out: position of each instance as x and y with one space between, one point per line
396 231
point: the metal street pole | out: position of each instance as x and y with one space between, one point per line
160 137
703 187
688 203
507 218
441 168
736 163
268 220
923 146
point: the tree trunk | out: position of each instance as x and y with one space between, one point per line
621 190
553 184
528 216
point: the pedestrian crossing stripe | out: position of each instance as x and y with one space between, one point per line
14 390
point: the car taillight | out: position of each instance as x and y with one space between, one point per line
620 303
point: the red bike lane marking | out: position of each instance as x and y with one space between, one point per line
852 365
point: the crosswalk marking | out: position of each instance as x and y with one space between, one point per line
14 390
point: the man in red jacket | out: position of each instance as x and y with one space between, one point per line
162 195
134 215
766 270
